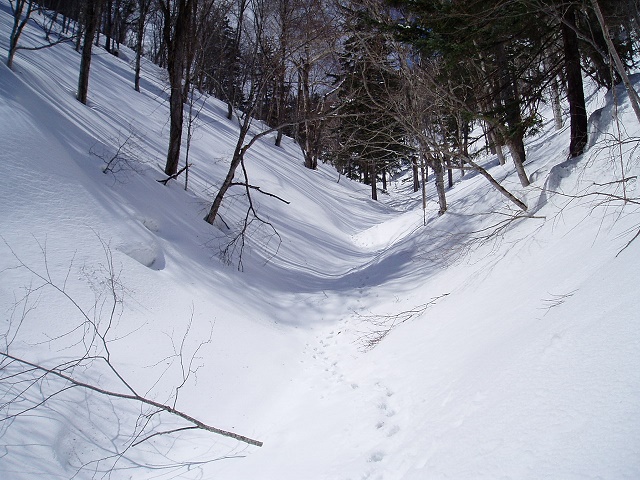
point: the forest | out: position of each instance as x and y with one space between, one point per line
371 87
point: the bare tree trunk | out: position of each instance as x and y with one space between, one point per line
449 171
416 179
500 154
18 25
309 147
514 133
373 178
495 183
108 30
464 145
176 115
176 34
79 34
235 162
575 91
423 171
495 145
438 171
143 7
92 21
555 103
280 100
516 148
232 94
633 95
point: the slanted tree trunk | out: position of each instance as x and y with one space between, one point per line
495 183
633 95
238 153
516 148
575 91
18 25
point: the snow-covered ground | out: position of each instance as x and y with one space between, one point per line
516 346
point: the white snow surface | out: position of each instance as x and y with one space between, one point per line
516 347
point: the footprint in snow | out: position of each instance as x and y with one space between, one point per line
393 430
388 412
376 456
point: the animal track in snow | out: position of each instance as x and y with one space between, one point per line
376 456
386 413
386 410
393 430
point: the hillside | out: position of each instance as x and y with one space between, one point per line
503 346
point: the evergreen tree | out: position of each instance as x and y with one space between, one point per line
369 138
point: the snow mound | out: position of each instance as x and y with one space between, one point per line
148 254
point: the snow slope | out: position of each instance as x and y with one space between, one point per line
516 346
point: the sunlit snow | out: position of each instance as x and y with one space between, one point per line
516 346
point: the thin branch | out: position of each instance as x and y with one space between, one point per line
175 175
164 432
253 187
135 397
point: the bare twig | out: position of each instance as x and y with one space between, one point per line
383 324
21 374
134 396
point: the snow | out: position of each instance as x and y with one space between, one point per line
522 361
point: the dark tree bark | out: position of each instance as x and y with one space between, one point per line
143 10
373 178
575 90
91 22
514 134
18 25
416 177
238 154
232 92
176 32
108 31
310 129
